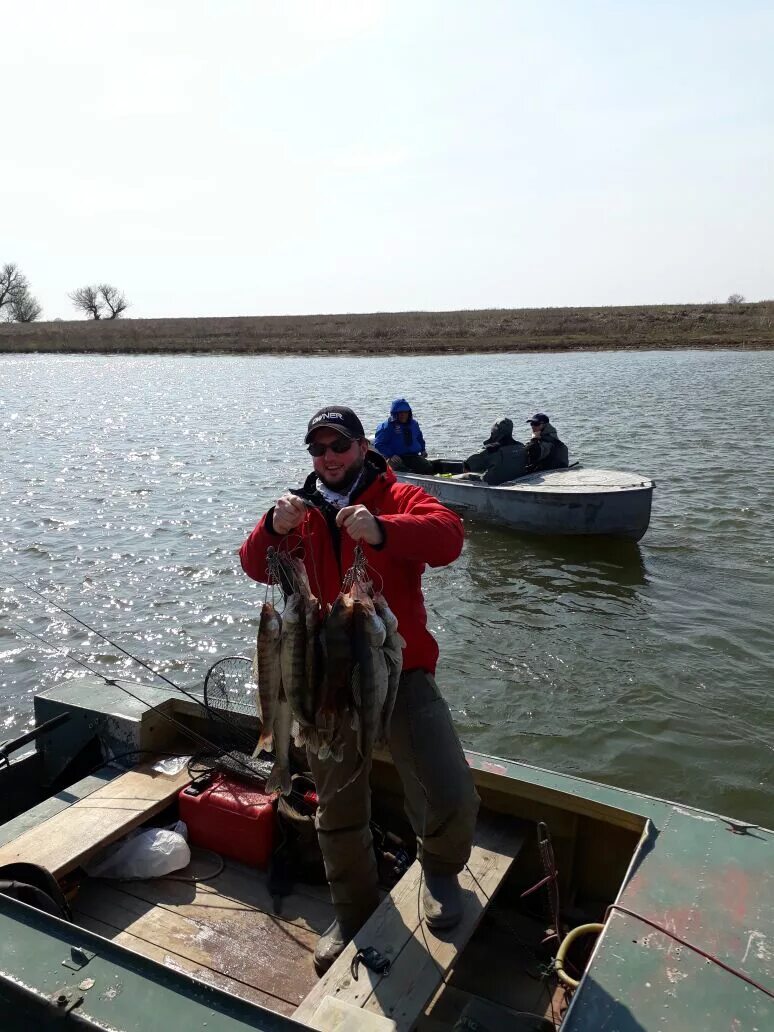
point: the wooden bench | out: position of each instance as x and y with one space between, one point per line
420 958
73 835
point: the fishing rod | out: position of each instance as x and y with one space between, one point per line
242 735
193 735
189 732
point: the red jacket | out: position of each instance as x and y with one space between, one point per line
418 531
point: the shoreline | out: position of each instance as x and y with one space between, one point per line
365 352
490 331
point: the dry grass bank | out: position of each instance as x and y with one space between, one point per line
414 333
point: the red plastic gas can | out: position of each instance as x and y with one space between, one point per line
231 818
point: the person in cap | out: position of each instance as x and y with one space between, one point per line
399 439
544 449
502 459
352 497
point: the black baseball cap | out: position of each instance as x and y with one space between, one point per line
335 417
539 417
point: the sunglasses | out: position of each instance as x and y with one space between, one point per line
339 447
535 422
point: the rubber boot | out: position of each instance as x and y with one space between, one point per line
441 900
333 941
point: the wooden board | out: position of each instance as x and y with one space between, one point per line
170 958
245 945
419 957
236 890
451 1003
500 966
339 1016
68 838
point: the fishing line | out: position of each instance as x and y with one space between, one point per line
313 561
99 634
196 736
242 735
21 631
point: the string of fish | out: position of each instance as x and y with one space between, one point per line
319 672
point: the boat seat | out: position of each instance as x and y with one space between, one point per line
419 958
62 842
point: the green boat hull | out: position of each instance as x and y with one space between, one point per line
693 876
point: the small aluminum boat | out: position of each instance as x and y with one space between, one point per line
577 501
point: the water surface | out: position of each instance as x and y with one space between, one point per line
128 484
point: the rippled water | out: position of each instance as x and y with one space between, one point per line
128 484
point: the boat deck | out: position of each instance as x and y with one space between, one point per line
224 931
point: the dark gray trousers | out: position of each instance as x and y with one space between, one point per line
440 799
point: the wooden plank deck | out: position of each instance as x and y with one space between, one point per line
420 958
68 838
222 931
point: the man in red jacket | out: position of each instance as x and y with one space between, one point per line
353 498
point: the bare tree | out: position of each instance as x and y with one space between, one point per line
735 299
16 302
25 308
13 283
95 301
114 300
87 300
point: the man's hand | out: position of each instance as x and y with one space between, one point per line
360 524
289 512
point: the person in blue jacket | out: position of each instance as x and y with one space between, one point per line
400 440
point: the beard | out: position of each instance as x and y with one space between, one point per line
346 479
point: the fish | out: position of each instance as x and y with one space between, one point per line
279 780
394 644
306 712
335 693
267 672
293 653
370 677
301 577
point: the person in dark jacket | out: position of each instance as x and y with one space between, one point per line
502 459
399 439
353 498
544 449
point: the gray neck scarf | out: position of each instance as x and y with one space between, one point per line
336 498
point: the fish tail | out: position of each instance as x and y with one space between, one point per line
265 742
278 780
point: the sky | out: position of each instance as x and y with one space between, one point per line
259 158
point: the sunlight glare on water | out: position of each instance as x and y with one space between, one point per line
128 484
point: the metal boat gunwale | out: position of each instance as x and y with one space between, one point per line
548 482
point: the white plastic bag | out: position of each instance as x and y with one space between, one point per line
172 764
145 853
